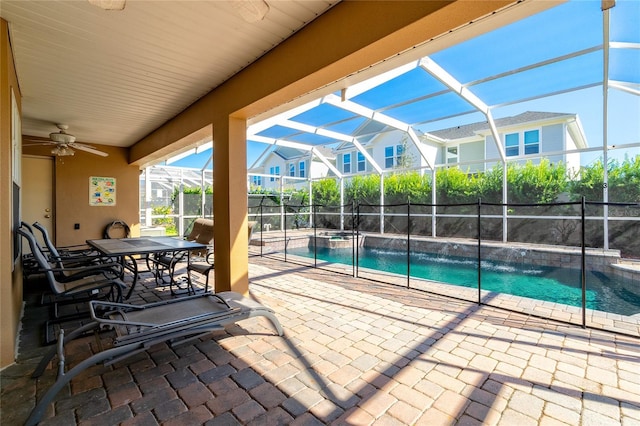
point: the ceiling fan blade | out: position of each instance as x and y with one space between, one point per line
88 149
34 142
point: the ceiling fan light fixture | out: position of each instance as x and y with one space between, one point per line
62 151
109 4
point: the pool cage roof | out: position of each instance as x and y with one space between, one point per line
170 177
571 47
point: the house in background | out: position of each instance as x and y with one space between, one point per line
391 149
297 164
524 137
528 136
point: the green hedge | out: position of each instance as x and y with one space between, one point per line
528 183
624 181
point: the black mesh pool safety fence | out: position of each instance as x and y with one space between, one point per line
548 260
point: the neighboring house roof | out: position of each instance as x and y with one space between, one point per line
287 153
470 130
291 154
369 129
369 138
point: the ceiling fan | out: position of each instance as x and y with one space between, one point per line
65 143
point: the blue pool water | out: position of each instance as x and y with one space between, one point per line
557 285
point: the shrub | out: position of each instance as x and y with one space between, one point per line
623 177
540 183
624 180
326 192
489 185
363 190
454 186
169 223
401 187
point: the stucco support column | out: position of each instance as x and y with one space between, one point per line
230 204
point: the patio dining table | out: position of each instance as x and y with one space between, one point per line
128 248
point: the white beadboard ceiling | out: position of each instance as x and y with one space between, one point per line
115 76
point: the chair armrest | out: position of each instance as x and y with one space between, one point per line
77 250
80 260
113 267
75 247
94 285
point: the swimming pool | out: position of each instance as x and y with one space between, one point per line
559 285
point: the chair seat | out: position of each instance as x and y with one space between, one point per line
164 259
200 267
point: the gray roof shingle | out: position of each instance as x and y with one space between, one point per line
469 130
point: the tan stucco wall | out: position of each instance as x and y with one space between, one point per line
72 193
10 281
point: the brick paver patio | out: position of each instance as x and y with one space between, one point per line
354 353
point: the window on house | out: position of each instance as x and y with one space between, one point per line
523 143
531 142
274 171
346 163
257 180
512 145
393 156
452 154
388 157
362 164
399 153
301 169
292 169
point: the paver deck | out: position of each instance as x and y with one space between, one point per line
354 353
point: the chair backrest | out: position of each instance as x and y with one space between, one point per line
206 231
42 261
53 251
26 226
201 232
195 230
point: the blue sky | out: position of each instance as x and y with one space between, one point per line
570 27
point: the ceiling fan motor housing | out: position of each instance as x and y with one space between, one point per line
62 137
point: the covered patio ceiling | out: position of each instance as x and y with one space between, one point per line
568 48
114 76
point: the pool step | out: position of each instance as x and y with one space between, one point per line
630 265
